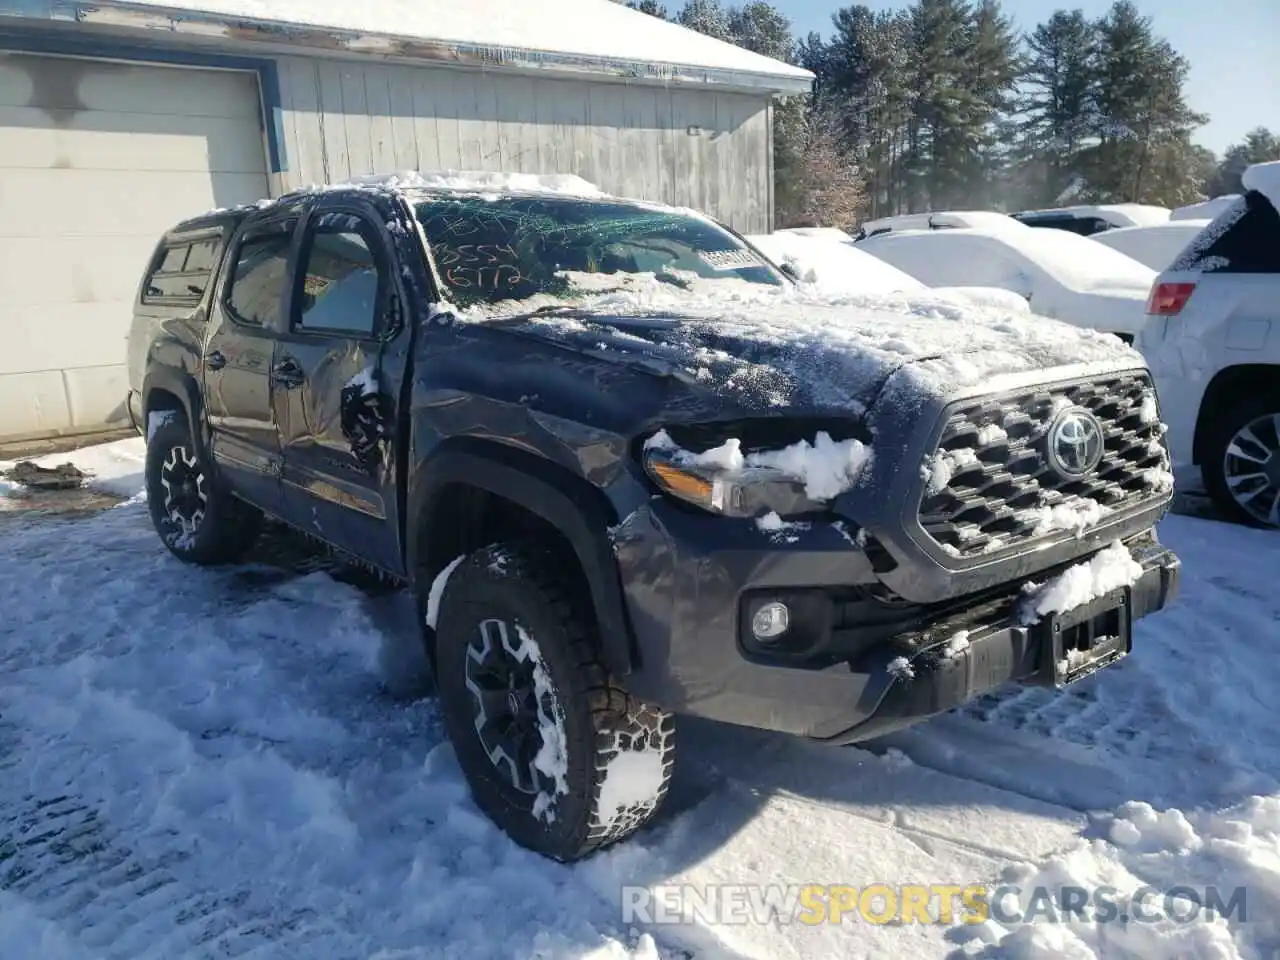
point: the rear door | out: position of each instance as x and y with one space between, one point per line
333 398
238 351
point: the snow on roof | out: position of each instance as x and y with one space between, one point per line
596 34
834 266
1155 246
1118 214
567 184
1075 261
1264 178
1205 209
950 219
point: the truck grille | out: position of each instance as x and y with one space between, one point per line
990 487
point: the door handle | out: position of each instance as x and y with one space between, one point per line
216 360
287 374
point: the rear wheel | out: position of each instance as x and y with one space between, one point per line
197 520
1242 460
556 752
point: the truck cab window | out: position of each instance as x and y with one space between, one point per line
339 284
258 282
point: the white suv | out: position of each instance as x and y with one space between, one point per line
1213 344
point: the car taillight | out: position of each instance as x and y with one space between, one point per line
1168 299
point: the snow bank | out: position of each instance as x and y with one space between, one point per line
1203 884
826 467
990 297
1107 570
115 468
1264 178
206 763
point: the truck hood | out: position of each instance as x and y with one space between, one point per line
768 348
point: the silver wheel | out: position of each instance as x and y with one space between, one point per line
1251 467
186 497
509 713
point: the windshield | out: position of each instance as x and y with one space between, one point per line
491 250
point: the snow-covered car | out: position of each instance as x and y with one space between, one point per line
1061 275
1156 245
827 260
939 220
629 471
1213 343
1089 219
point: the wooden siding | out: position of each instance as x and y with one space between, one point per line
347 118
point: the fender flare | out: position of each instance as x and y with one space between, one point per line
561 498
183 386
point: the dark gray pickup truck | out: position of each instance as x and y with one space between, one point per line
631 470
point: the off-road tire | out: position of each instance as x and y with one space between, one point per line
228 526
1232 415
600 721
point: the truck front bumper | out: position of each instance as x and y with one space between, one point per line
1057 650
850 679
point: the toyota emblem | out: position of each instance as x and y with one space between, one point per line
1075 443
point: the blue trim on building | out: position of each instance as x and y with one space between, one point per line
84 46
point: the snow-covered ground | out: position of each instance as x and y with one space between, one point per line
242 762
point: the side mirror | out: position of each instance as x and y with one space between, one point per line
790 270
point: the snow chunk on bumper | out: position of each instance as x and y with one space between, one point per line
1105 571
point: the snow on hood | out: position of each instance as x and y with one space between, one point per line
770 347
1264 178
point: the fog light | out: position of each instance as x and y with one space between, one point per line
771 621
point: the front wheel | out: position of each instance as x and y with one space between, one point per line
197 520
556 752
1242 460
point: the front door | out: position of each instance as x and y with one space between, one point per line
238 351
333 400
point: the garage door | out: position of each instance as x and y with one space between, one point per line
97 159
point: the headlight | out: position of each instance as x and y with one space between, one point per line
740 492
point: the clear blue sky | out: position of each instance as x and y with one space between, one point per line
1233 47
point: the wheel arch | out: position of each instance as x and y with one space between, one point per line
1240 378
465 487
168 389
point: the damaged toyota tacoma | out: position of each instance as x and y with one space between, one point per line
630 470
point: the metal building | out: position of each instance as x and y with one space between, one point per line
121 117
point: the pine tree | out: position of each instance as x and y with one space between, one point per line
991 68
1143 121
707 17
760 28
943 135
1056 109
863 83
651 7
1259 146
